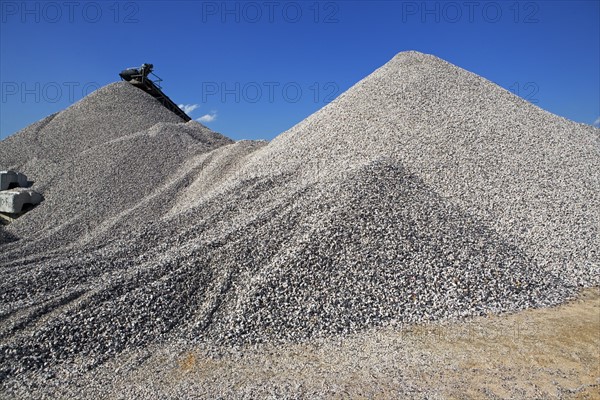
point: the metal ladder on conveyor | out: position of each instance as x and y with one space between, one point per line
138 77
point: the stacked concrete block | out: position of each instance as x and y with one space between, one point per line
15 197
10 179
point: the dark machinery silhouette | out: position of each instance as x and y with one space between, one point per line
139 77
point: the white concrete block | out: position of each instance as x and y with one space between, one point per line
8 178
12 201
22 180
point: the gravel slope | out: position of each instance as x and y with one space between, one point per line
424 192
531 175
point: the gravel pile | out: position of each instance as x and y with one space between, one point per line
99 158
424 192
530 175
111 112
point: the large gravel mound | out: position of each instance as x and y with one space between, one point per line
532 176
423 192
97 158
111 112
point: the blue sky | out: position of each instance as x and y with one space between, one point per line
251 70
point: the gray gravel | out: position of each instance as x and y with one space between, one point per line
424 192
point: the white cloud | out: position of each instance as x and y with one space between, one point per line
208 117
597 123
188 108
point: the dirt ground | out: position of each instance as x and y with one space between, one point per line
544 353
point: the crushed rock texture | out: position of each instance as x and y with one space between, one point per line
423 193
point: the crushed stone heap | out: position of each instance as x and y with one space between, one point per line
424 192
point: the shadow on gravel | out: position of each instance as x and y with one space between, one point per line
6 237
